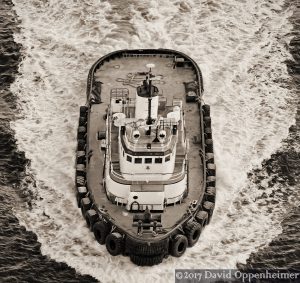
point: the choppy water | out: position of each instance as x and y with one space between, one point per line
242 48
20 256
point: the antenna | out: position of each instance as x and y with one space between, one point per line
150 66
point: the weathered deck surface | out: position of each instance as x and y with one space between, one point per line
112 75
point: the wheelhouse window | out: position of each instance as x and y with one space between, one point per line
129 158
167 158
148 160
158 160
138 160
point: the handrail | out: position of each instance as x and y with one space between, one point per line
134 174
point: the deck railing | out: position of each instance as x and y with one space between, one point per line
126 178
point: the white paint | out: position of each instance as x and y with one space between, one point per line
144 171
141 107
154 201
174 192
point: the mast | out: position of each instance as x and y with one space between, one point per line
149 120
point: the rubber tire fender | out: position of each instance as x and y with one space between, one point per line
83 111
209 146
210 194
208 133
146 260
85 205
101 229
80 181
80 194
80 157
81 133
211 169
178 245
207 121
209 158
209 208
114 243
206 110
202 218
192 231
82 121
91 217
144 249
211 181
80 170
81 145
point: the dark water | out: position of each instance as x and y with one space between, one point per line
20 256
284 166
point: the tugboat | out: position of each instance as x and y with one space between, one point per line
145 172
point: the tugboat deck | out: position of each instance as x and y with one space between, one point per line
119 73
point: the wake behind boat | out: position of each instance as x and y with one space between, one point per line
145 173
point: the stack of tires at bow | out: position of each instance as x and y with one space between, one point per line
146 254
208 202
153 253
102 229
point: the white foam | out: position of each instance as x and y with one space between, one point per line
240 47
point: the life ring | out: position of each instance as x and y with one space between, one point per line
101 229
178 245
114 243
192 232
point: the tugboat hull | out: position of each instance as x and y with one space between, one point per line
137 214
